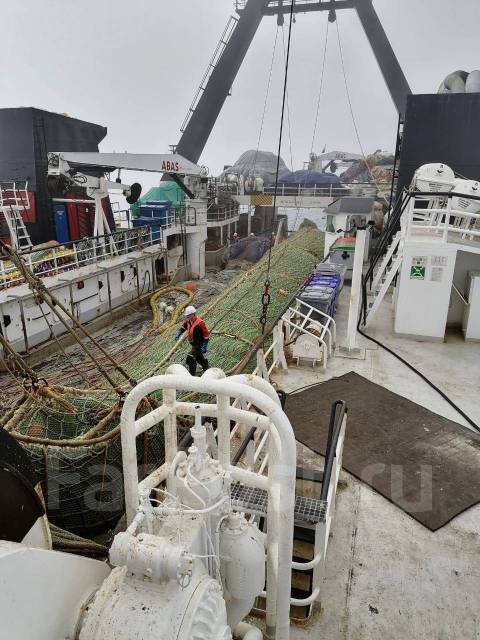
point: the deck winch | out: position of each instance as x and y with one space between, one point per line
186 553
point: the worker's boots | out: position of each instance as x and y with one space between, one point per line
191 362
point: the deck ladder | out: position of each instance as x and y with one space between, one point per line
384 276
13 201
217 54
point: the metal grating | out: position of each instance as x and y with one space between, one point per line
254 500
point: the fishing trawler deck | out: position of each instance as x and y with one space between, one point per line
386 574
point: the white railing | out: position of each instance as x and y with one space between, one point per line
241 4
445 222
303 319
292 324
73 255
323 191
224 215
14 195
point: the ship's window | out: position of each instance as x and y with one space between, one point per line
6 320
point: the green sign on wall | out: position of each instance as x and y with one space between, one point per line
417 273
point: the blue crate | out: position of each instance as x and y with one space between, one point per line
154 223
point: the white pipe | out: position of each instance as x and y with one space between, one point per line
303 602
151 419
355 289
249 478
155 478
245 631
305 566
180 456
281 474
255 382
237 415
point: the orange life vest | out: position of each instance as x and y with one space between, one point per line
190 327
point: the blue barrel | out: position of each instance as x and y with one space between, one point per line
61 223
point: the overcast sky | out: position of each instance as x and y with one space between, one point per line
134 67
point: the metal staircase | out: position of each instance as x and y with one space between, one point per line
314 514
13 201
385 263
217 54
384 276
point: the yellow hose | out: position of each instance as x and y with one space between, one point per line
178 309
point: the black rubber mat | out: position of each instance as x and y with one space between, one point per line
425 464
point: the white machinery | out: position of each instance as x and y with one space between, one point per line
188 567
75 168
433 177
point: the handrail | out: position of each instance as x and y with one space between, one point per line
334 428
79 253
391 228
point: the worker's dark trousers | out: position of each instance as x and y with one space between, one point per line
195 356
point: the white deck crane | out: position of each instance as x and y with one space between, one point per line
82 169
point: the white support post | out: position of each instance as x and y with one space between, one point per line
279 228
287 316
261 365
350 349
170 429
223 431
278 353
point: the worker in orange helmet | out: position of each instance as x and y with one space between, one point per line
197 334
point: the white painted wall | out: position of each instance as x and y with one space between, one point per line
422 305
465 262
88 292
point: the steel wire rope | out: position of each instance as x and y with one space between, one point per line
349 101
266 290
288 104
317 111
289 126
252 170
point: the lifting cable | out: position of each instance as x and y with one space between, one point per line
288 120
252 170
266 289
317 111
288 105
357 134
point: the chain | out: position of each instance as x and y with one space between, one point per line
265 303
266 288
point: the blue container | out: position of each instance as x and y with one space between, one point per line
159 203
326 281
329 269
158 212
149 222
61 223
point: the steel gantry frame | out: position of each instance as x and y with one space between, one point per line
202 119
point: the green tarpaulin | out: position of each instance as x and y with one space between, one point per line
167 190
